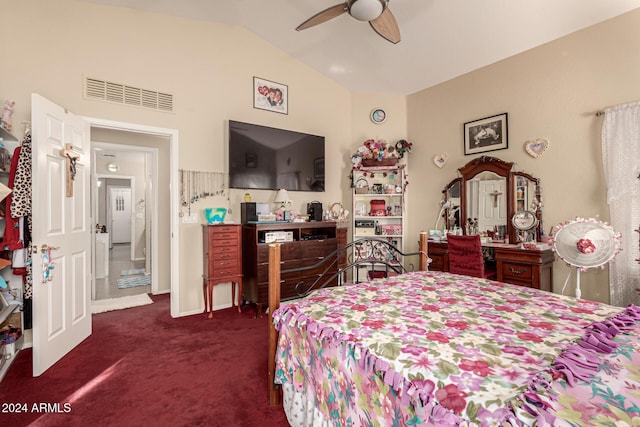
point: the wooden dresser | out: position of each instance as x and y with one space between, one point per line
303 245
524 267
222 248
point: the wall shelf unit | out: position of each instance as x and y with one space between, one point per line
379 204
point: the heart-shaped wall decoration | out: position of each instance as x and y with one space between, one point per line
440 159
536 147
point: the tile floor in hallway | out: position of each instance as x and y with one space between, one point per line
119 260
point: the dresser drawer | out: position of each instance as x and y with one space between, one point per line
516 271
289 250
289 288
318 248
223 242
224 263
263 270
219 255
437 262
223 229
217 237
222 252
217 273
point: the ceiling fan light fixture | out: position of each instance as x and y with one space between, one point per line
366 10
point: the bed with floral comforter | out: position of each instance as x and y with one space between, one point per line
437 349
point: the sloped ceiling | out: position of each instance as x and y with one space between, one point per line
441 39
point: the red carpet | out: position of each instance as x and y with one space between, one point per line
141 367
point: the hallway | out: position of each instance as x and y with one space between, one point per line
119 261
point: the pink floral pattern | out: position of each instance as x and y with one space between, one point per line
441 349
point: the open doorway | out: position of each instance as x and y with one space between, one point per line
123 248
159 208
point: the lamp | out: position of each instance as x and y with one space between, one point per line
282 197
366 10
444 206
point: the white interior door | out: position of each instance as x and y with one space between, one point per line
120 200
62 302
493 208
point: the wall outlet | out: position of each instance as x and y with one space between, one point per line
190 219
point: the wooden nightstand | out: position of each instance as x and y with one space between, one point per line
222 248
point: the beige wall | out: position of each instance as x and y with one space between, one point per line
549 92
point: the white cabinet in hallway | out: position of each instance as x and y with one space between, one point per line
102 255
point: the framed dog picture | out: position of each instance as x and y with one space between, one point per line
271 96
488 134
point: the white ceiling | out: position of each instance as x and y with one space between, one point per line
441 39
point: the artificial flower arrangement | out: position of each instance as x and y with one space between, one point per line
380 151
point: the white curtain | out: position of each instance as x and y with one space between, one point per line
621 162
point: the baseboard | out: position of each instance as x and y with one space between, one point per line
201 311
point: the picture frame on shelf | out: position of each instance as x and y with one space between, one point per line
270 96
487 134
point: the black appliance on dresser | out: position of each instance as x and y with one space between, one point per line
314 209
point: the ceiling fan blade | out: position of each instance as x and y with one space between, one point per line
324 16
386 26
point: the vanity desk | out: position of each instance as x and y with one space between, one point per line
525 267
490 198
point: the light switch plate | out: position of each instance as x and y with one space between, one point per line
190 219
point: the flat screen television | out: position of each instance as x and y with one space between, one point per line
267 158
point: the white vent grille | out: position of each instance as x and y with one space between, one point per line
128 95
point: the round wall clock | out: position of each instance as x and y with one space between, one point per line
524 220
378 116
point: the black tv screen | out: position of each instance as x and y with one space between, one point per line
266 158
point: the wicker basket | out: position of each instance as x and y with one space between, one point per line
389 161
362 186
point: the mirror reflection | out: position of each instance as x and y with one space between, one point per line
452 214
486 195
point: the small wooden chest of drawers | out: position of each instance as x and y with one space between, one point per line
222 249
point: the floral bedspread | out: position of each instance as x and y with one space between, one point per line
429 348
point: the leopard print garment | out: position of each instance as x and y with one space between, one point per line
21 197
21 202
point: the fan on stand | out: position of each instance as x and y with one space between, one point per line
585 243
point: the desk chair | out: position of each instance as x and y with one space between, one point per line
465 257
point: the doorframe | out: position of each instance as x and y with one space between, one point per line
172 135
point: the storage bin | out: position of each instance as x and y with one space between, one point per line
378 207
389 161
392 230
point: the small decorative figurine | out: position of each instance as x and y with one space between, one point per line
6 114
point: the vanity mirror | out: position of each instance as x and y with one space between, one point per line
490 194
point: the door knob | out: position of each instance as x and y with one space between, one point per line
44 248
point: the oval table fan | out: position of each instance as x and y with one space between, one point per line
585 243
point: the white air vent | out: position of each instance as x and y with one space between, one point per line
129 95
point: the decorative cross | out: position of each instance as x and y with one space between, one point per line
72 157
495 195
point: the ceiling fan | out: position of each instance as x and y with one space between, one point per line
377 12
